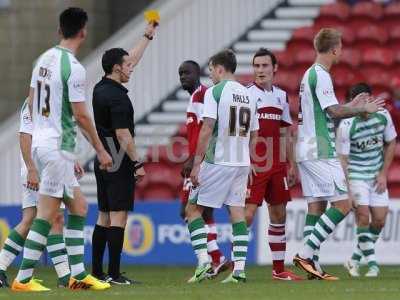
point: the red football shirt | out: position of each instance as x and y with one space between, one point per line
273 113
194 119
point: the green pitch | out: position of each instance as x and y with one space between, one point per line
167 283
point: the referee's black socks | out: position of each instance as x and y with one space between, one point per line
115 244
99 241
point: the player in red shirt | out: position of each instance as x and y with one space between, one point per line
189 75
269 180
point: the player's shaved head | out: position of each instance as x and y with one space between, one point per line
189 75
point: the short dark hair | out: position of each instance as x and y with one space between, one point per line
357 89
225 58
72 20
266 52
194 64
112 57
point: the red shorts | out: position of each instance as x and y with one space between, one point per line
272 187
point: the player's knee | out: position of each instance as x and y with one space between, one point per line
378 223
362 219
249 215
192 212
58 222
26 223
344 206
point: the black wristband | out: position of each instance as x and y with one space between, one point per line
149 37
137 165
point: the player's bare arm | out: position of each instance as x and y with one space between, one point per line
363 104
127 143
25 143
388 155
292 166
30 100
136 53
204 137
84 121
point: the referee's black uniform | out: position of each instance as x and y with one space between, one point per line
115 188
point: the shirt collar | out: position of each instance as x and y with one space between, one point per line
262 89
114 83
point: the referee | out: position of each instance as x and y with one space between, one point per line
113 115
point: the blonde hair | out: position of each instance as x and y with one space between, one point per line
327 39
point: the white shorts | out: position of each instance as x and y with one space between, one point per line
323 180
29 197
364 192
219 185
56 172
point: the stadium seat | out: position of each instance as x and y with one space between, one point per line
341 93
392 10
285 59
370 11
377 56
332 15
370 36
377 76
158 172
344 76
302 37
159 192
288 81
304 58
348 35
351 57
394 33
175 152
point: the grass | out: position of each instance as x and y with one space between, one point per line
169 283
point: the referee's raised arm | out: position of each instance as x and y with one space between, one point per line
114 118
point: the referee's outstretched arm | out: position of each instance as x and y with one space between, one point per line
136 53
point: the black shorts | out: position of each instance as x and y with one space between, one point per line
115 190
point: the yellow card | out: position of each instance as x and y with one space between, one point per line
152 16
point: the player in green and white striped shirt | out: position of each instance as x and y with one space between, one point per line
322 176
366 146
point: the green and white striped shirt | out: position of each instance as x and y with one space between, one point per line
362 140
58 80
316 132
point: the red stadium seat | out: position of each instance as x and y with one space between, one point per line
161 173
392 10
378 55
348 35
322 22
302 37
332 15
159 192
367 10
351 57
288 81
377 76
394 33
370 36
285 59
344 76
175 152
304 57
